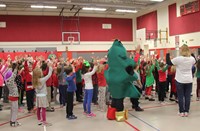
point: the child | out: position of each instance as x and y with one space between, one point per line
173 85
55 83
48 84
18 81
162 68
149 81
30 92
198 80
143 66
62 84
102 87
87 76
9 78
71 75
95 86
138 85
39 83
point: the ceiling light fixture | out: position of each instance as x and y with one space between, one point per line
94 9
41 7
126 11
157 0
2 5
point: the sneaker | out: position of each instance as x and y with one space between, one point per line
139 109
186 114
39 123
84 113
15 124
163 103
80 100
197 99
181 114
171 99
91 115
151 99
72 117
50 109
46 124
133 107
146 98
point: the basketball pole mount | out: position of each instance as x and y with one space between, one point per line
67 20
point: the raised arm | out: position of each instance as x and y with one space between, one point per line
168 60
47 76
92 72
165 68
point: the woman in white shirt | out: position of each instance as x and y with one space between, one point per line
183 78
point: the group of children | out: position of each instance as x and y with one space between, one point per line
40 77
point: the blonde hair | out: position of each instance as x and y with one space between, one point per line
173 69
37 74
185 51
100 68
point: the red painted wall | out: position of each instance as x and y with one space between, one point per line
48 28
148 21
182 25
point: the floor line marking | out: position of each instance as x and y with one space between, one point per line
26 116
136 129
145 122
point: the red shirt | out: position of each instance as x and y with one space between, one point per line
55 80
94 79
169 71
162 76
28 76
13 98
49 82
101 77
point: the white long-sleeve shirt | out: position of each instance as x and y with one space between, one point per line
42 90
88 78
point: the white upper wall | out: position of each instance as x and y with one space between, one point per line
192 39
84 46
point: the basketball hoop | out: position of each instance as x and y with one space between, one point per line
71 40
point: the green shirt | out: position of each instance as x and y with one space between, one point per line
150 77
78 76
198 73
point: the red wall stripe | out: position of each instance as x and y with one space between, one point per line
48 28
182 25
148 21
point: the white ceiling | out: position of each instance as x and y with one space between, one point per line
72 7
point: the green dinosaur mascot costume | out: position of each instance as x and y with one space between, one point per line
120 75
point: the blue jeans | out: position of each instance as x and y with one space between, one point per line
184 91
63 94
88 100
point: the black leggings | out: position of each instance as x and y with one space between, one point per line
118 104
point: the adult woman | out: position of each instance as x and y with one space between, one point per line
183 78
